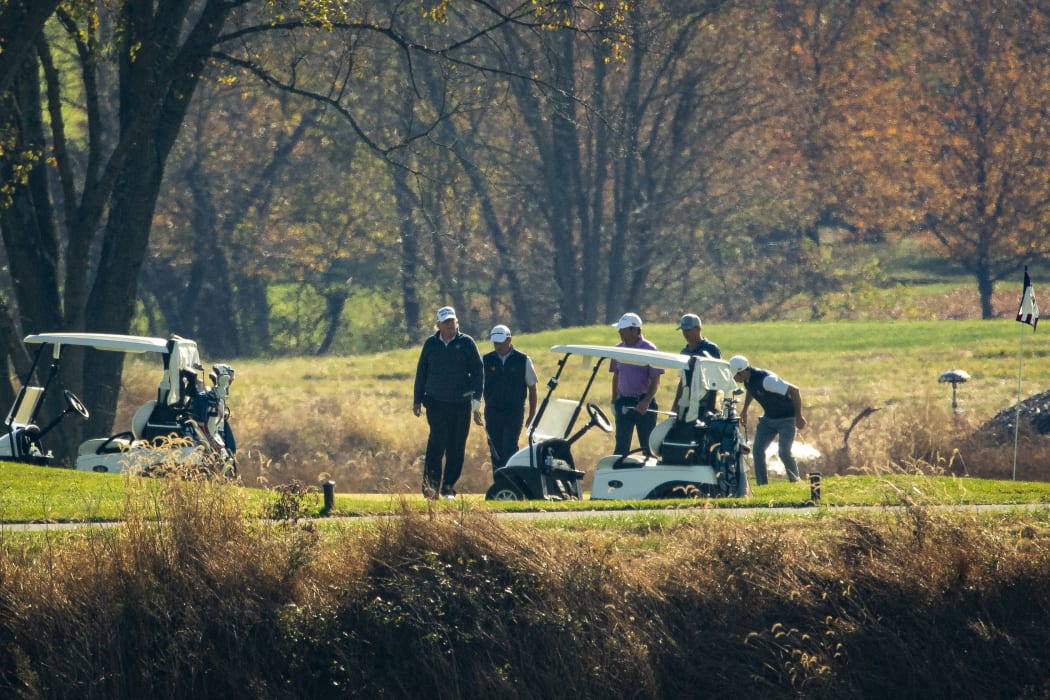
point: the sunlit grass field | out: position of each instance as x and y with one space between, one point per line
349 419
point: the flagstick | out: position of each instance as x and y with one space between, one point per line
1017 414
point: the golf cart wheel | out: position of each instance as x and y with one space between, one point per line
677 489
504 490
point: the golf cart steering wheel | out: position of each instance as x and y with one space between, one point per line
598 417
76 404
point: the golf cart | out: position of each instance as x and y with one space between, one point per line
697 453
149 443
545 469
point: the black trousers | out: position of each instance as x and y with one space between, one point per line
628 421
449 427
504 429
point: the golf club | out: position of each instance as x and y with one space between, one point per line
492 445
627 409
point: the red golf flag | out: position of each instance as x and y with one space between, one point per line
1029 311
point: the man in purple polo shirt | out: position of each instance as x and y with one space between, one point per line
633 389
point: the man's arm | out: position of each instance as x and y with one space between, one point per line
796 400
532 404
654 384
531 381
476 373
421 376
476 370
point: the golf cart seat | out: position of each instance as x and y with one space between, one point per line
555 458
635 459
120 442
162 421
677 442
657 436
141 418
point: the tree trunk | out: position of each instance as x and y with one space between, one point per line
27 223
985 288
334 305
21 22
410 267
254 307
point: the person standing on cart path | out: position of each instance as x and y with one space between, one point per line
449 383
510 378
695 344
781 403
633 389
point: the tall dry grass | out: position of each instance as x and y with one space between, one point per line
178 601
378 448
192 598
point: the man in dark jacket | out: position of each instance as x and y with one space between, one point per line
781 404
695 344
449 383
510 378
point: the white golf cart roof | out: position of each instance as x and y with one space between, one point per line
184 350
103 341
713 375
631 356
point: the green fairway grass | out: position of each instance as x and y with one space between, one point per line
41 494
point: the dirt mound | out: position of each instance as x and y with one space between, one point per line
1034 414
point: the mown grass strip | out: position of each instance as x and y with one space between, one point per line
41 494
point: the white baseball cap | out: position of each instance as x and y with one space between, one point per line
737 364
629 321
445 313
499 333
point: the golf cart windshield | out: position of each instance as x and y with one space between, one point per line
556 419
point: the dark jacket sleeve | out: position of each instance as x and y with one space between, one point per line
477 371
422 367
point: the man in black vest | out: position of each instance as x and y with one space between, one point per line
782 414
510 377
